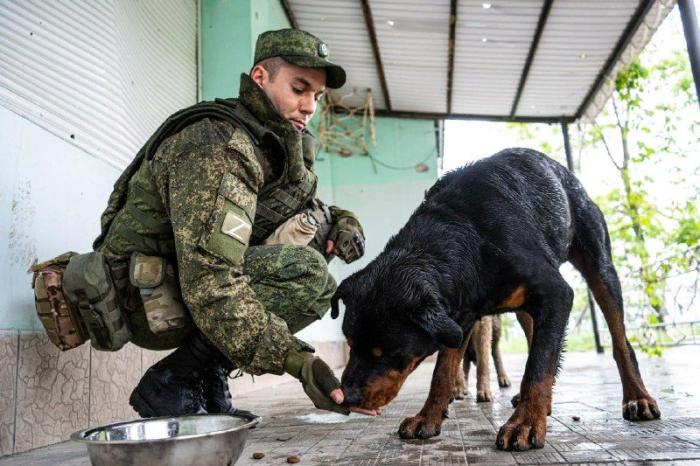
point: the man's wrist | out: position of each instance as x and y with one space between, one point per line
294 361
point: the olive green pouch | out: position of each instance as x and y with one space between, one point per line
87 283
160 293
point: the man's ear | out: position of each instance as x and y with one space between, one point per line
259 74
436 323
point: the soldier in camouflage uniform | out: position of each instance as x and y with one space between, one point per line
213 182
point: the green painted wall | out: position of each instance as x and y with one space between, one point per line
228 32
382 197
266 15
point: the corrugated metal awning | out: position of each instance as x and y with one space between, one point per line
519 60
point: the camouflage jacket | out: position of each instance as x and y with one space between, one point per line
196 198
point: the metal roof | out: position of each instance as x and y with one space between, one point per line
518 60
100 75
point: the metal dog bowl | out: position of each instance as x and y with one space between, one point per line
205 439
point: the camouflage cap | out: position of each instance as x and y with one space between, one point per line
299 48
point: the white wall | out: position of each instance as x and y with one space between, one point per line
51 197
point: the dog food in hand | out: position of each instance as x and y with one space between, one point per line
258 455
293 459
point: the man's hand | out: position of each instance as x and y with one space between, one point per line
346 239
317 379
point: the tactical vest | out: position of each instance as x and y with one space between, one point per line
277 201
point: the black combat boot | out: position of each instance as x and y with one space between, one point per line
215 390
173 386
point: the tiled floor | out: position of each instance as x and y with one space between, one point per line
588 390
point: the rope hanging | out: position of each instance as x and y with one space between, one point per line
346 128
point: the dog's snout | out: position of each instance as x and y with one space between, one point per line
353 395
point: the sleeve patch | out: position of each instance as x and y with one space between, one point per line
236 227
229 239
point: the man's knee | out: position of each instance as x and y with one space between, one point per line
306 267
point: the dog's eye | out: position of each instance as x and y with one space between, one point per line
377 352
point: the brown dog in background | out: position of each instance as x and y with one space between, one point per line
483 340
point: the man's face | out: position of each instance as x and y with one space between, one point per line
294 91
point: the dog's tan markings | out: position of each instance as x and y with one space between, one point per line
350 342
515 300
632 385
528 326
537 397
381 390
446 368
527 426
429 419
377 352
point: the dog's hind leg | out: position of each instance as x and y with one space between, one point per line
459 390
590 254
460 386
467 365
549 301
482 340
428 421
503 380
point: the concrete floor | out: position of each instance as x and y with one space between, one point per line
588 388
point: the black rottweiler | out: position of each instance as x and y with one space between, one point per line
488 238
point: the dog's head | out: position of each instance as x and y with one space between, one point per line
392 322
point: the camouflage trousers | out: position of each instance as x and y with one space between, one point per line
292 282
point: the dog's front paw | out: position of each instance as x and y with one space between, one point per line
524 430
503 381
643 408
484 395
420 426
516 400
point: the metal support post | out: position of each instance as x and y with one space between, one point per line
692 39
591 304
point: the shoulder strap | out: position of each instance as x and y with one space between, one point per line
220 109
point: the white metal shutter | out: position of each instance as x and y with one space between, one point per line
101 74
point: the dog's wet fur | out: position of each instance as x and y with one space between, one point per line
488 238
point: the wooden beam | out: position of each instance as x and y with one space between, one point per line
469 116
369 22
451 52
544 14
289 13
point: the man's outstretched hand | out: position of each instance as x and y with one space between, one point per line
320 384
338 396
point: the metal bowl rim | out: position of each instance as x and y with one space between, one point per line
79 436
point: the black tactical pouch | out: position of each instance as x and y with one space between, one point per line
87 283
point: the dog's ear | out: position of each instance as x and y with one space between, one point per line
337 296
439 325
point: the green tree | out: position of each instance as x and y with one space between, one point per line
640 138
648 132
